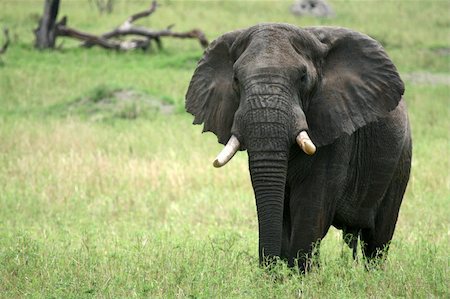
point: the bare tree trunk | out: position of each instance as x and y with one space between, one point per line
46 31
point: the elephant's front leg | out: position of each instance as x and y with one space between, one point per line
309 225
314 183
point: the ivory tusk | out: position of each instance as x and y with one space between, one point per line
305 143
227 153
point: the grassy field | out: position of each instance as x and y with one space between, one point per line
131 206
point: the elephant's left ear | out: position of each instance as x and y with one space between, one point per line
359 84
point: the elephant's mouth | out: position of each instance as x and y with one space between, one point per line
233 145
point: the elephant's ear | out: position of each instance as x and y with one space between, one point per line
211 97
359 84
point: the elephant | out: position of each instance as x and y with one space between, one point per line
320 111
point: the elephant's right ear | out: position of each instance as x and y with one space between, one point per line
211 97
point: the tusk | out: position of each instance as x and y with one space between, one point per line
227 153
305 143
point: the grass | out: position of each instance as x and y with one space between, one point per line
133 208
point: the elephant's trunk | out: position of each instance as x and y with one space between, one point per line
268 175
267 138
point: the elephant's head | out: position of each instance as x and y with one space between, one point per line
269 86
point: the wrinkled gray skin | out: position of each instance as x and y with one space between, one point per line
267 83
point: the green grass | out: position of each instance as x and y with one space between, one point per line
134 208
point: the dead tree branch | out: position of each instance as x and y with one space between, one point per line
63 30
154 35
195 33
127 24
6 43
143 14
127 28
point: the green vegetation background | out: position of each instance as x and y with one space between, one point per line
122 207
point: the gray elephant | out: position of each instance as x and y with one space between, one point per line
320 112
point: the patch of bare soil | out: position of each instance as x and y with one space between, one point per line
146 100
102 104
427 78
443 51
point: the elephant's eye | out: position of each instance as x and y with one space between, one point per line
235 84
235 80
303 74
303 78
